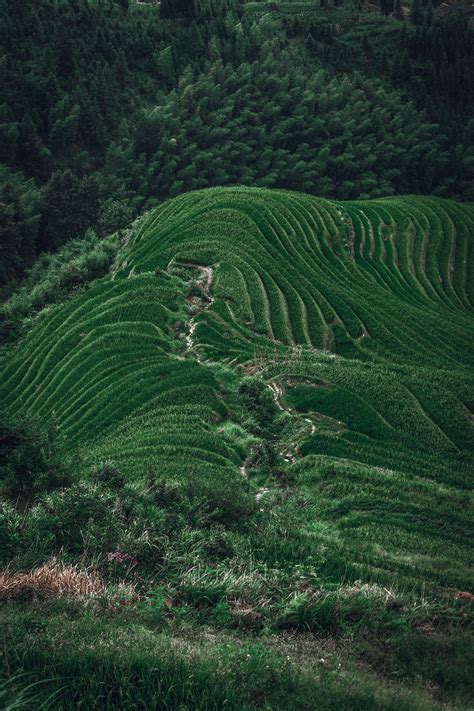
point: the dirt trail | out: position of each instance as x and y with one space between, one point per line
205 282
277 392
243 470
288 451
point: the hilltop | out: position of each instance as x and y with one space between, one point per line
267 405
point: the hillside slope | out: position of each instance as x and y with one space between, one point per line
382 288
357 317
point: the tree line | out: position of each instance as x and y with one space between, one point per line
107 108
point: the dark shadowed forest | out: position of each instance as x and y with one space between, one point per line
108 108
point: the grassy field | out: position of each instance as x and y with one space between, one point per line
265 411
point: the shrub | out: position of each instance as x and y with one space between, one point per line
114 215
361 606
54 278
257 399
203 499
161 492
223 500
32 460
86 516
109 475
10 531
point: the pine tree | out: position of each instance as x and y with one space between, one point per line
165 66
428 15
171 9
165 9
398 10
366 45
9 134
17 249
32 153
386 6
383 60
416 12
69 207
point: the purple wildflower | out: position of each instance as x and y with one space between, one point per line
122 558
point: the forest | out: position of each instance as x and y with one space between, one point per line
108 108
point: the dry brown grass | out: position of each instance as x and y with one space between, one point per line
51 579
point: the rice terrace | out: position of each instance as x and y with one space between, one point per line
319 418
236 355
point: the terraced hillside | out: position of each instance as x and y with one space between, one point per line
356 317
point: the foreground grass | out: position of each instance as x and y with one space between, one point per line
95 656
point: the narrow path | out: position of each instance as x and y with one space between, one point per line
289 451
277 392
205 282
313 426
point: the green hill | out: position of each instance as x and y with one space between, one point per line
297 372
375 298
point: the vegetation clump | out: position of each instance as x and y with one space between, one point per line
32 462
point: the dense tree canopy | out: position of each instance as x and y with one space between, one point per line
108 107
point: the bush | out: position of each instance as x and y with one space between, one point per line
222 500
257 399
86 516
54 278
365 607
32 461
203 499
109 475
114 215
